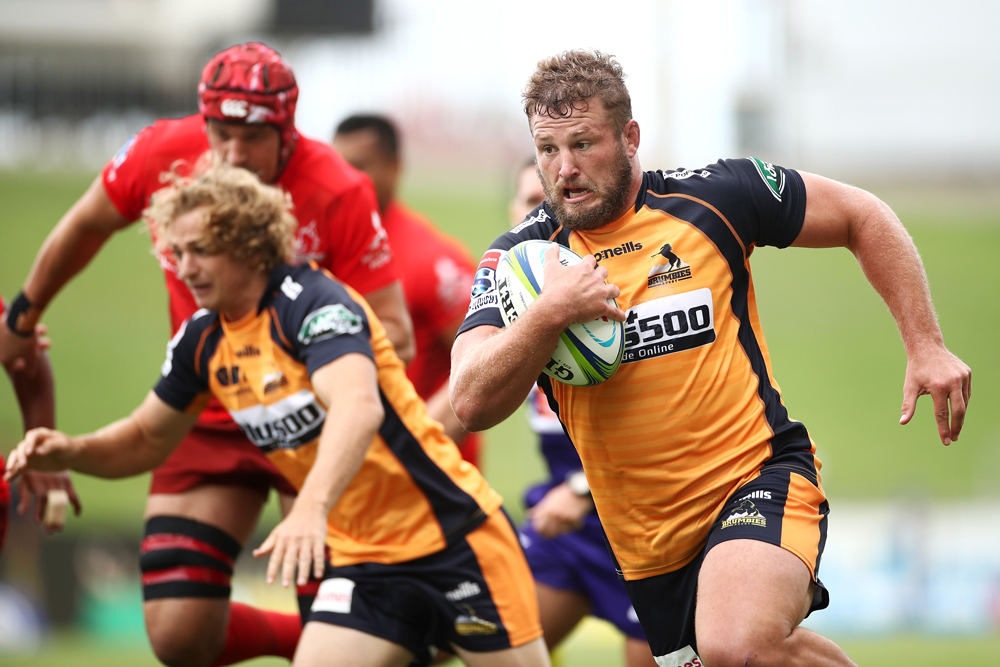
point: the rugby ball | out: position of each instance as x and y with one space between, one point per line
588 353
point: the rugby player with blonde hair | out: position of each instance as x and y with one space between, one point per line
710 494
411 543
247 97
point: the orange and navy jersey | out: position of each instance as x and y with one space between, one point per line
693 412
339 224
413 494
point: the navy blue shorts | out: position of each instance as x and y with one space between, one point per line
783 506
476 593
580 562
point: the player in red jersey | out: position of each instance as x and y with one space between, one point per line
437 271
35 393
205 500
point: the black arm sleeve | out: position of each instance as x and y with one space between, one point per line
180 383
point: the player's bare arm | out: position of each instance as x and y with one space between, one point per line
70 246
389 304
841 215
129 446
493 370
348 386
35 391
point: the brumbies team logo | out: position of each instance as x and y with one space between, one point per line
667 268
746 514
469 624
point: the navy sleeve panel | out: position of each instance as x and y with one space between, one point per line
484 307
321 321
180 382
765 204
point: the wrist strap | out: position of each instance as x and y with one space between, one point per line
18 307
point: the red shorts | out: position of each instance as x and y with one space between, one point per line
218 456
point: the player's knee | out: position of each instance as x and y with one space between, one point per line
187 567
179 644
736 650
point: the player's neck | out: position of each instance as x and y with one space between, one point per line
246 301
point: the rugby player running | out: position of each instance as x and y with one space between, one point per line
206 498
411 542
563 539
709 493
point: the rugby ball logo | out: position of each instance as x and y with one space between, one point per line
587 353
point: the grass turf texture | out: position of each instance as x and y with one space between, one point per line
834 348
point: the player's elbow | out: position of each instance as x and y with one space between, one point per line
470 412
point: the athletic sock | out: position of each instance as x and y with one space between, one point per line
255 632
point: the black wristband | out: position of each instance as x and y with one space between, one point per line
19 306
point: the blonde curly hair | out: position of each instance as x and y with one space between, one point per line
246 219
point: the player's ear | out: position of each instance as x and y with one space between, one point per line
631 136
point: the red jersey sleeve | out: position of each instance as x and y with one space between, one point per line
360 254
125 176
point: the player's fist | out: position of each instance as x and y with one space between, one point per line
578 291
53 492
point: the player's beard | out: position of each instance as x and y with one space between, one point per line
611 199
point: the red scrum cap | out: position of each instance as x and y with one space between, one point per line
250 83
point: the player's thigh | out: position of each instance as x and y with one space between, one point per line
230 508
750 593
637 653
328 645
560 611
532 654
185 617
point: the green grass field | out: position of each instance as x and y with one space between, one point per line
834 347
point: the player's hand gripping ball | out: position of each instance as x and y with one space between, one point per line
587 353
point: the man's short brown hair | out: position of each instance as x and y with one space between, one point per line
249 221
564 82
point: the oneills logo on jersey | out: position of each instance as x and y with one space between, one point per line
623 249
746 514
773 177
667 268
327 322
466 589
470 624
669 324
293 421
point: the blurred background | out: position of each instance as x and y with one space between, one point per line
900 97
